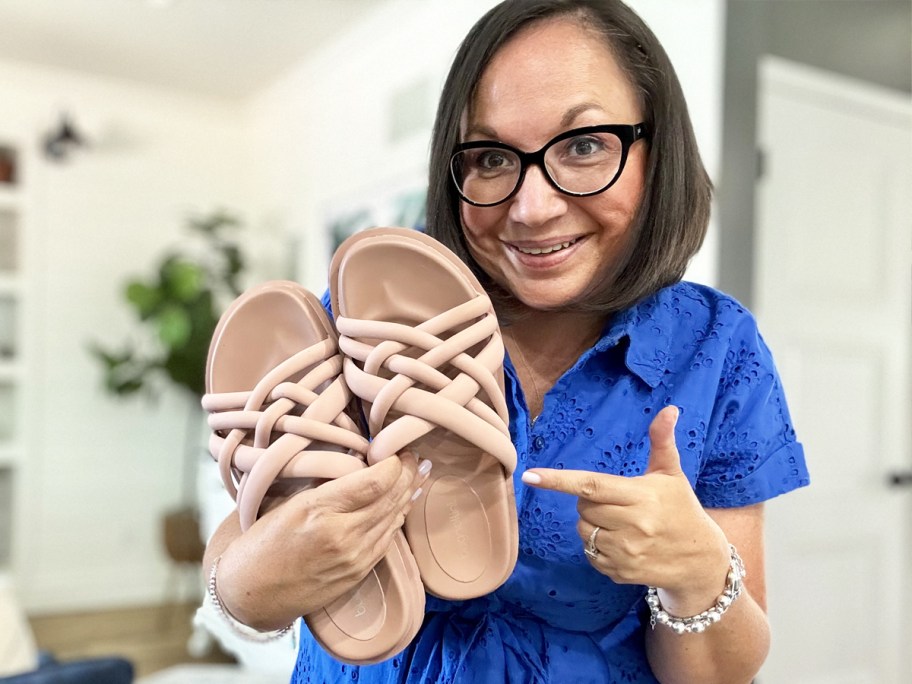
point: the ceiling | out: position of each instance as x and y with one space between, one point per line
220 48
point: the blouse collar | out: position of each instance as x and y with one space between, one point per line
647 326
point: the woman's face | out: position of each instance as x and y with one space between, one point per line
541 245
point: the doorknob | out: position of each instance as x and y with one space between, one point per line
900 478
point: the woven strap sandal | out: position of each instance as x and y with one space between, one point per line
425 355
283 420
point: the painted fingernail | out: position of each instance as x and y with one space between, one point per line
531 478
417 494
424 467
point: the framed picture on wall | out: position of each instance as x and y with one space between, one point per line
402 204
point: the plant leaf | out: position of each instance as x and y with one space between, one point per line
185 280
144 298
174 325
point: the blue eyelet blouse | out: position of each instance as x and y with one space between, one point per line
556 619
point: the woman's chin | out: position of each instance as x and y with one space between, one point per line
546 300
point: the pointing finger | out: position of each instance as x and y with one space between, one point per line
598 487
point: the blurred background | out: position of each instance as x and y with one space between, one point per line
157 155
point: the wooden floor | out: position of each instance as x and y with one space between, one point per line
152 638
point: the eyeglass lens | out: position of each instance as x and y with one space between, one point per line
582 164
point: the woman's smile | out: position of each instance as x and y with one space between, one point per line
545 249
543 255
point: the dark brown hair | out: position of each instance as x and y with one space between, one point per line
674 212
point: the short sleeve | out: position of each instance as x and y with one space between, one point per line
751 450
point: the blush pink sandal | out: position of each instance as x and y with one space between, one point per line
424 354
281 416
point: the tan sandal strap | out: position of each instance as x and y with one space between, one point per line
426 411
304 464
316 430
398 337
441 353
220 401
454 403
316 464
273 406
438 352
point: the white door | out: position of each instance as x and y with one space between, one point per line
834 231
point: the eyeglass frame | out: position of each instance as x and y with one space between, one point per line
626 133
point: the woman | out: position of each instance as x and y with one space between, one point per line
565 173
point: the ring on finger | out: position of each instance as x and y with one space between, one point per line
591 550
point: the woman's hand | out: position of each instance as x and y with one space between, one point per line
652 528
314 546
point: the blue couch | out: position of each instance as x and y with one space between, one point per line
90 671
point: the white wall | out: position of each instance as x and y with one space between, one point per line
693 33
324 127
98 473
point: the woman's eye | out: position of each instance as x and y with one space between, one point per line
491 160
594 149
583 147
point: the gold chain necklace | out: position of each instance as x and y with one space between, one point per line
536 381
527 373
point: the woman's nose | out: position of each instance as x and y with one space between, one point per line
537 201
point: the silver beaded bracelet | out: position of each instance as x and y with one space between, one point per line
238 627
698 623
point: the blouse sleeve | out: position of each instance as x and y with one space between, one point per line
751 451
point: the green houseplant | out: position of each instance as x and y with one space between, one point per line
178 307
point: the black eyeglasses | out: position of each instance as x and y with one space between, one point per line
580 162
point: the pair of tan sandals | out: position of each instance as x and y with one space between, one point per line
418 345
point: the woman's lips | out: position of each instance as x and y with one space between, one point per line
544 256
535 251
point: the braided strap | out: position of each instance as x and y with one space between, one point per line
424 377
293 424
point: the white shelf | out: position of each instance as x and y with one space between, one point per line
10 231
10 197
10 370
7 479
10 454
10 284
